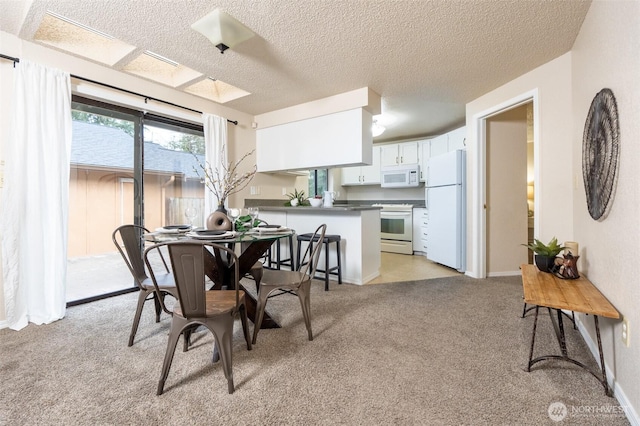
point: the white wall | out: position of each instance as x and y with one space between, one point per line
607 54
553 152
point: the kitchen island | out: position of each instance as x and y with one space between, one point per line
358 227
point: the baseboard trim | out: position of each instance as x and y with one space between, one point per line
618 393
4 324
503 274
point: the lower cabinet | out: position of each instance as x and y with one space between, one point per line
420 218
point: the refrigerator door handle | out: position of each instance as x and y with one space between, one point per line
426 200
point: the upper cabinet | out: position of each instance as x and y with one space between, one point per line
363 175
439 145
339 139
457 139
399 153
411 152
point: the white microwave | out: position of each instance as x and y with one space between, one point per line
403 176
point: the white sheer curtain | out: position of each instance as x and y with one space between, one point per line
36 195
215 143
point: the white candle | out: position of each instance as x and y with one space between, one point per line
571 247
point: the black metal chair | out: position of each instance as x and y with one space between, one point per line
130 238
297 282
214 309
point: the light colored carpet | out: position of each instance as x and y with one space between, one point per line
444 351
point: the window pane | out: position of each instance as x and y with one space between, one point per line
322 181
173 191
318 181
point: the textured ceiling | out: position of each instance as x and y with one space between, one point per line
425 58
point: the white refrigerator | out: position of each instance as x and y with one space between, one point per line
445 200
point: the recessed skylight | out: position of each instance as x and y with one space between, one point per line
65 34
216 90
79 25
161 69
81 40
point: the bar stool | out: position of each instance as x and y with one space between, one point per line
327 240
278 261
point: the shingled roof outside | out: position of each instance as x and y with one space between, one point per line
111 148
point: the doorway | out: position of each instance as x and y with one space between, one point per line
495 256
506 190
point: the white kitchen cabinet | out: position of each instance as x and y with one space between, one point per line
389 155
423 157
363 175
343 136
439 145
409 152
420 218
351 176
457 139
399 153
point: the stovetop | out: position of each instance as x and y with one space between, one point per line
395 207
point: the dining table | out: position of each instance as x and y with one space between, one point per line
253 244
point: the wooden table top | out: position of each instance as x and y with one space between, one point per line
579 295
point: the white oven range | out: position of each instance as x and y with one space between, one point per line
396 228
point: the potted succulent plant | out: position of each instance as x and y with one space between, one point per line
296 198
545 254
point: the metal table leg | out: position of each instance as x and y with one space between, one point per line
559 330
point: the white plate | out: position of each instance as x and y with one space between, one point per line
204 236
172 230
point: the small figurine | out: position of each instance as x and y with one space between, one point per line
569 267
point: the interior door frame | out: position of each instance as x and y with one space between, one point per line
479 194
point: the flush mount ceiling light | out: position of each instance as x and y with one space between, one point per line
377 129
222 29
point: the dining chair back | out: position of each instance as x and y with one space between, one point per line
297 282
215 309
128 239
255 273
309 261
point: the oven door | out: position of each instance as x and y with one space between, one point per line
396 226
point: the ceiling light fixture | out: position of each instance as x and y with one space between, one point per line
222 29
377 129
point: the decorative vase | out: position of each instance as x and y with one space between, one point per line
218 220
545 263
221 208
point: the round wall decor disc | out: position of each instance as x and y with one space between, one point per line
600 147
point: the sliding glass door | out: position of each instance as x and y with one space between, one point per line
117 179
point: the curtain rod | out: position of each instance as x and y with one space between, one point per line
146 98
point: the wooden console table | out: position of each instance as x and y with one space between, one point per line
544 289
